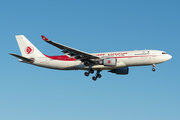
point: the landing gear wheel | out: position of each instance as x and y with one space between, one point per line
86 74
94 78
153 69
99 75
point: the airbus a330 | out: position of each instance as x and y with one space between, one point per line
73 59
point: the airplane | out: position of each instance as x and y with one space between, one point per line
73 59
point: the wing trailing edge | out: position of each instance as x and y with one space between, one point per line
71 51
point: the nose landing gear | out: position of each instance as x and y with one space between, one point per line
153 69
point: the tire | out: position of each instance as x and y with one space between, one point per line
94 78
86 74
99 75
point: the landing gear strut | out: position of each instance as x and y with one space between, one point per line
90 69
86 63
90 64
153 69
98 75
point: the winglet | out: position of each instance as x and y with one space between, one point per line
44 38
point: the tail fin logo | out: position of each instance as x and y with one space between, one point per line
29 50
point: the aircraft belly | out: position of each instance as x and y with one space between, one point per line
68 65
56 64
95 67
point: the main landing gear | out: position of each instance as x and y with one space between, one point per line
90 64
153 69
98 75
90 68
90 71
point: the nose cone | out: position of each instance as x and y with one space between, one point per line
168 57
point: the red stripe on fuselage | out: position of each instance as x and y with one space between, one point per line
66 58
61 57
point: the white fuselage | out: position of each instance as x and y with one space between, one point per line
124 59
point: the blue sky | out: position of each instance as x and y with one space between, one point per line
30 92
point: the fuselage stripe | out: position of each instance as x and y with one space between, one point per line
66 58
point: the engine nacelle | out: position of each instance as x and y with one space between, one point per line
108 62
120 71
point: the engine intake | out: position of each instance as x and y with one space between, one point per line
120 71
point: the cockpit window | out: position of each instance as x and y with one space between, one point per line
164 53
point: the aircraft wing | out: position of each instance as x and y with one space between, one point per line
71 51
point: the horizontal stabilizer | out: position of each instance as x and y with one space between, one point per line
23 58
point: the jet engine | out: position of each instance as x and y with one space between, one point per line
120 71
108 62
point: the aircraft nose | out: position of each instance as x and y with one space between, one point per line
169 57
